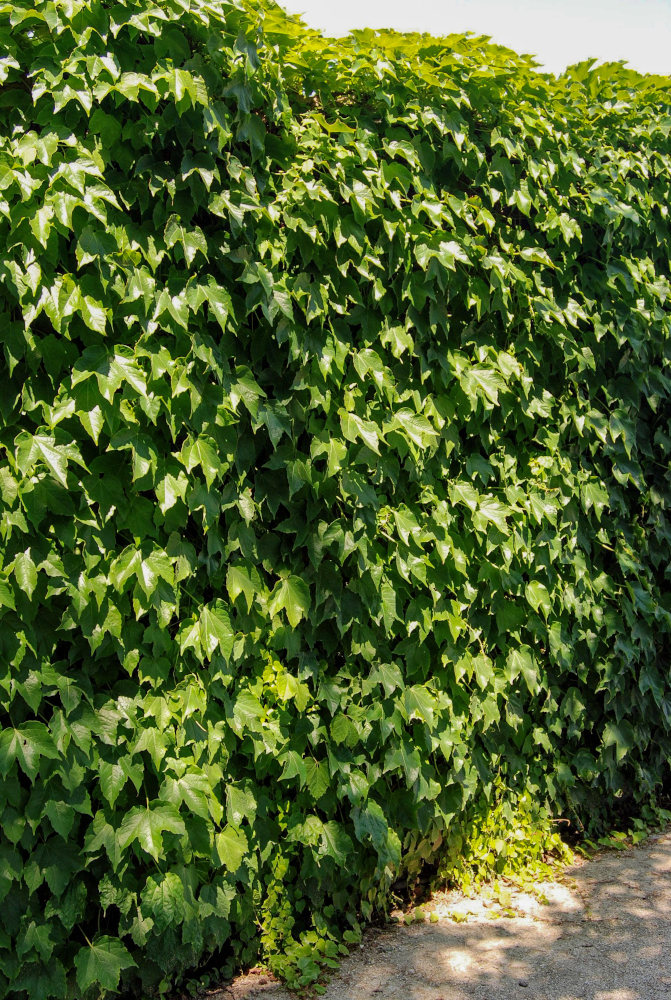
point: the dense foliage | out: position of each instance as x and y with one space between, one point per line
335 480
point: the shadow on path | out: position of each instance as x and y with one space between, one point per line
605 934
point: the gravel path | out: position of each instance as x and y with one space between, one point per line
602 933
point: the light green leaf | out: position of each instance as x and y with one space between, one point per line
337 126
203 452
215 629
33 448
414 426
93 313
219 301
154 741
478 382
7 596
92 421
26 573
246 713
241 580
594 495
389 611
464 492
355 428
317 778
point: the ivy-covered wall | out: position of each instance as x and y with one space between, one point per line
334 423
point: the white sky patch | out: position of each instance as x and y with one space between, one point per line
557 32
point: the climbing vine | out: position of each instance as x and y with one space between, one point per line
335 488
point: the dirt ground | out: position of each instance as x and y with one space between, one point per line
603 932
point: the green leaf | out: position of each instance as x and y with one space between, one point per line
93 422
203 452
336 843
593 495
146 825
483 668
621 735
478 382
7 596
241 580
493 512
521 661
403 757
509 616
26 573
389 676
463 492
39 937
192 241
41 224
155 742
232 847
240 805
61 816
415 426
26 745
538 597
41 447
101 963
112 779
343 730
246 713
170 490
147 566
406 525
106 126
163 898
93 314
337 126
94 243
389 610
215 629
317 778
293 596
420 703
335 481
293 766
219 301
355 428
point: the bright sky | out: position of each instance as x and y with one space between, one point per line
558 32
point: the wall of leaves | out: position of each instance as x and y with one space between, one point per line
335 489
